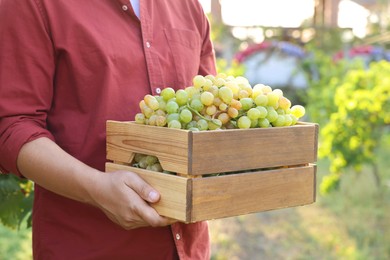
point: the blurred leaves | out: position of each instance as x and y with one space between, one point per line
351 102
16 196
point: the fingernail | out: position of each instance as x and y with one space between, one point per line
153 196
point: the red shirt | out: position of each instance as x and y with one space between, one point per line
68 66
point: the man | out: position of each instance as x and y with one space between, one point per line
65 68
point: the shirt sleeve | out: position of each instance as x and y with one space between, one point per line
27 66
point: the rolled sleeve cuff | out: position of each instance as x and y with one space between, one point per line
12 140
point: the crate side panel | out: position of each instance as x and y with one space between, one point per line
233 195
235 150
173 190
169 145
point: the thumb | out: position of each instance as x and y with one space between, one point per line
143 189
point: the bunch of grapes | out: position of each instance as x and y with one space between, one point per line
219 102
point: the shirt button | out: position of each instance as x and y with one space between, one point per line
124 7
178 236
158 90
147 44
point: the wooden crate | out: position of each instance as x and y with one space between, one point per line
283 157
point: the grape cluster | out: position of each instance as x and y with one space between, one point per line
219 102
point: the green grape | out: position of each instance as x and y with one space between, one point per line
232 112
233 86
253 114
202 125
281 111
172 107
210 77
280 121
273 100
223 107
174 124
242 80
294 119
181 97
162 104
284 103
254 123
143 163
208 84
199 81
288 120
192 124
263 122
151 102
247 103
152 119
261 100
256 93
207 98
258 86
278 92
167 93
148 112
160 112
140 118
263 111
244 122
243 94
298 111
173 116
138 157
219 82
196 104
214 124
226 94
185 115
247 88
214 90
272 115
155 167
161 121
150 159
266 89
211 110
191 91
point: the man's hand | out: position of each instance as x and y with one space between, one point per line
124 197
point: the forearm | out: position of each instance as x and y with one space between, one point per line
45 163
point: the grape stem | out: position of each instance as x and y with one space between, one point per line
198 114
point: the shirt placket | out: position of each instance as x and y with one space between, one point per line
156 79
178 238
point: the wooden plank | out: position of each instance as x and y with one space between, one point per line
169 145
173 190
235 150
232 195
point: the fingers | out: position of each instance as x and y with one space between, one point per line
142 188
135 211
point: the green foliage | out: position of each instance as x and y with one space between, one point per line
234 68
351 102
16 197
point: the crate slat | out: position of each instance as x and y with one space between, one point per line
197 199
205 152
240 194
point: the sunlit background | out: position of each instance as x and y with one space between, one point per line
288 13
